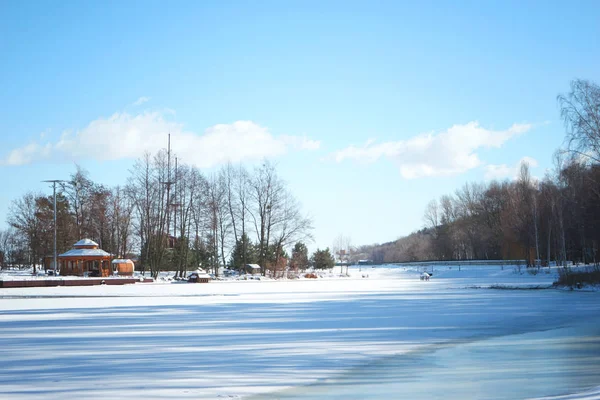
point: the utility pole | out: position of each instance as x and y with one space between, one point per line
54 182
535 223
175 205
168 184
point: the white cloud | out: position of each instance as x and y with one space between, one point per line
503 171
123 135
443 154
141 101
301 142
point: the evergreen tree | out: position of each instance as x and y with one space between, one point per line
322 259
244 250
200 255
299 257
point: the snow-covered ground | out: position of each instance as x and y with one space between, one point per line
380 333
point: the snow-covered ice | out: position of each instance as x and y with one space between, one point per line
386 336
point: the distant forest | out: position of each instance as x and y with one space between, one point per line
556 218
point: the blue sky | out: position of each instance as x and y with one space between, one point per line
369 109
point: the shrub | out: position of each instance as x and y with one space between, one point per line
568 277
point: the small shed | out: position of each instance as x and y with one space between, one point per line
85 259
199 277
252 268
123 267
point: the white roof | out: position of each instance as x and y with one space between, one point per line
253 266
121 261
199 274
85 253
85 242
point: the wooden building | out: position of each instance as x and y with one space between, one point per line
252 268
123 267
85 259
199 277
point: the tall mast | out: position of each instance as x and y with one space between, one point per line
168 183
174 204
54 182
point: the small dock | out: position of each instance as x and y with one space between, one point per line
71 282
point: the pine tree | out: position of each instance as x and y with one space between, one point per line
244 250
322 259
299 257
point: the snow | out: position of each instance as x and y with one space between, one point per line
85 242
121 261
26 275
199 273
390 335
85 253
589 394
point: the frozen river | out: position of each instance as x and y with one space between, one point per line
540 364
386 336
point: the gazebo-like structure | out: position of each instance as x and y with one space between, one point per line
85 259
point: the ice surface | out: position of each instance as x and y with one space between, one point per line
378 337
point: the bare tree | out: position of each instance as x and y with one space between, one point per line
24 218
288 225
200 220
431 217
580 110
219 224
11 248
341 249
121 219
242 188
265 191
229 177
78 191
150 200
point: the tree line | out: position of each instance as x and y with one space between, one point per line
553 219
169 215
175 217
